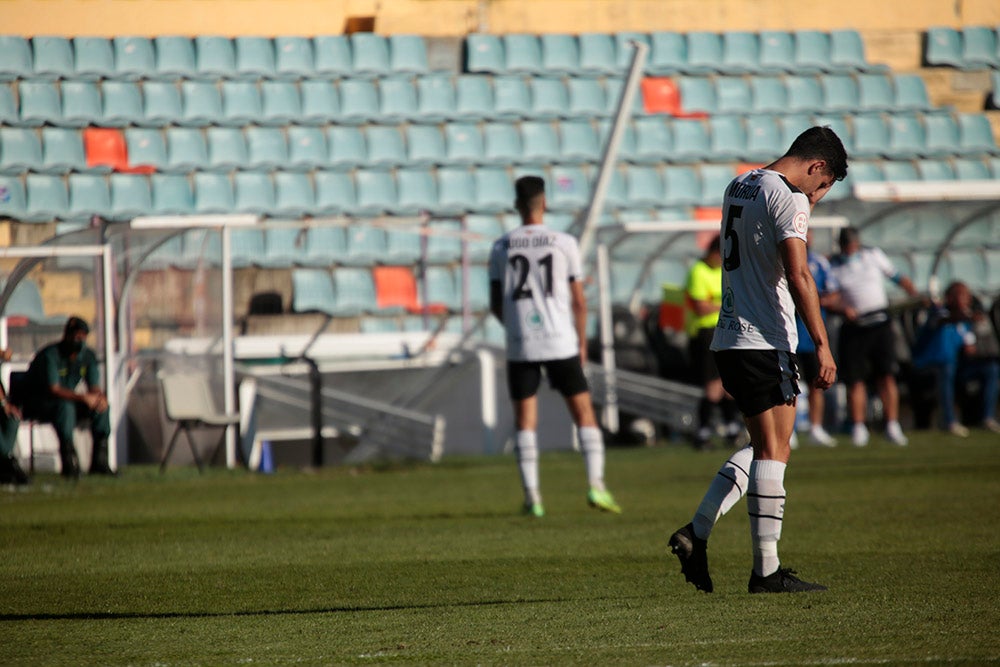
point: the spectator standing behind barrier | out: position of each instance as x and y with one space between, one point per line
703 296
50 396
947 345
867 342
10 415
536 292
826 285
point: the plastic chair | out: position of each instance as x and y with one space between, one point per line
975 135
402 246
812 51
416 191
320 101
681 186
386 145
355 291
764 137
870 135
81 104
227 148
654 140
186 149
597 53
255 57
971 169
241 103
267 147
692 141
358 102
332 55
473 97
105 149
463 144
847 51
93 57
511 97
52 57
293 57
715 179
395 290
8 106
312 291
704 52
397 99
370 54
335 193
740 52
215 56
46 197
899 170
122 104
435 98
502 143
768 94
539 142
979 47
171 194
522 54
134 57
697 95
254 192
294 195
578 142
804 93
307 147
941 134
488 228
202 103
162 103
213 193
644 186
777 51
667 53
443 242
624 50
376 191
727 138
366 245
20 150
175 57
732 95
943 46
347 146
484 53
568 189
88 196
16 61
456 191
39 103
875 92
586 98
549 98
408 53
130 196
560 54
931 169
146 148
840 92
13 200
910 92
62 150
280 103
494 190
247 247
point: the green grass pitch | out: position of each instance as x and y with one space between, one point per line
433 564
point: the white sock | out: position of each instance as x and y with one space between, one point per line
527 461
592 445
766 507
729 485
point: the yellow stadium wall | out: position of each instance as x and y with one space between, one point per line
458 17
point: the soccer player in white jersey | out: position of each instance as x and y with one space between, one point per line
536 291
765 279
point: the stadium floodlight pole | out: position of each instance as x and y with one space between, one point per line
607 338
610 156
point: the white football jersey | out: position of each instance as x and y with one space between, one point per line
761 209
860 277
535 266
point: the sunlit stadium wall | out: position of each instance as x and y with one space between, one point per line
458 17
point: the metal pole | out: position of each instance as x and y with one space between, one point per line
316 410
610 156
110 358
607 339
228 370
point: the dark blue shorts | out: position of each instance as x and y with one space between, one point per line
758 380
565 375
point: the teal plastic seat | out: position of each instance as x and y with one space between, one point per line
473 97
598 54
89 196
121 103
494 190
213 193
899 170
347 146
358 102
681 186
294 196
416 191
312 291
484 53
307 147
227 148
733 95
804 93
20 150
941 134
768 94
970 169
254 192
443 242
246 247
502 143
654 140
764 138
691 140
332 55
293 57
386 145
727 138
943 46
46 197
39 103
935 169
697 94
587 98
667 53
578 142
463 144
511 97
255 57
407 54
93 58
792 125
740 52
81 104
241 103
366 245
52 57
777 51
162 103
13 200
870 135
435 98
456 191
397 99
146 148
376 190
975 135
875 92
811 51
560 53
335 193
704 52
202 103
186 149
847 51
355 291
267 147
285 248
549 98
539 142
840 92
134 57
567 189
644 185
369 54
522 53
62 150
172 194
715 178
624 49
175 57
979 47
320 101
130 196
402 247
280 103
16 59
910 92
215 56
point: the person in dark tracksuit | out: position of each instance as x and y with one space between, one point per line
51 396
10 418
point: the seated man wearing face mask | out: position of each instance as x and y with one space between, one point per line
50 396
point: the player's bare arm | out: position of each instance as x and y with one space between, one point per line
803 291
579 306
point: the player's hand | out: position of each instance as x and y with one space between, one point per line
827 369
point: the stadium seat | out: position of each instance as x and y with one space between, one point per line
768 94
910 92
875 92
667 53
586 98
89 196
979 47
39 103
93 58
202 103
213 193
763 138
539 142
715 178
397 99
130 196
369 54
522 53
254 57
732 95
162 103
704 52
122 104
46 197
549 98
246 247
312 291
840 92
691 140
502 143
425 145
578 142
463 144
494 190
970 169
941 135
624 49
792 125
906 136
254 192
654 140
511 98
227 148
727 138
681 186
386 145
777 51
280 103
215 56
697 95
358 102
267 147
804 93
186 149
146 148
740 52
436 101
975 135
473 97
847 51
560 53
484 230
870 135
320 101
16 59
456 191
440 293
376 192
8 106
294 196
403 245
355 291
366 245
416 191
52 58
171 194
644 186
444 242
568 189
307 147
484 53
286 247
347 146
395 290
293 57
899 170
105 149
62 150
81 104
332 55
175 57
241 103
934 169
408 53
812 51
597 53
20 150
13 200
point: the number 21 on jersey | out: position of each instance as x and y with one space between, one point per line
521 266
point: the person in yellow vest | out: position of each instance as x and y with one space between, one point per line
703 292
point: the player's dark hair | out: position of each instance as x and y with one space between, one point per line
527 188
75 324
715 245
847 235
821 143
